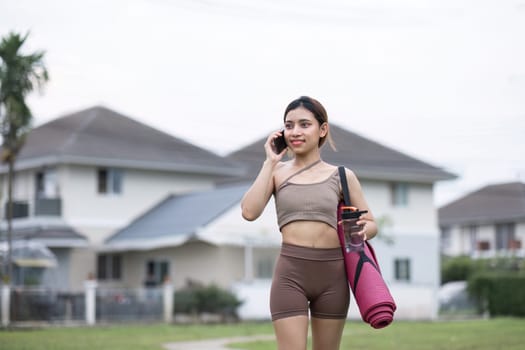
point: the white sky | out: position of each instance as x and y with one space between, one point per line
441 80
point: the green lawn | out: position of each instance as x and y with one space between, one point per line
502 333
507 334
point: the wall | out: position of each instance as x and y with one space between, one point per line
419 216
105 213
198 261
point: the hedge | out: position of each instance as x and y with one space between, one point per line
501 294
206 299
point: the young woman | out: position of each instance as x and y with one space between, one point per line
309 276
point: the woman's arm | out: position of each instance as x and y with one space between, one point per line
358 200
255 199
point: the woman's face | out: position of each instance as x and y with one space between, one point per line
302 130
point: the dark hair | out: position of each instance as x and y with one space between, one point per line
317 110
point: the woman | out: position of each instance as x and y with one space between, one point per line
309 274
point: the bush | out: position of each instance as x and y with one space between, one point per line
198 299
457 268
501 294
461 268
185 302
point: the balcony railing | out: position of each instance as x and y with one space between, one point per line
42 207
20 209
48 207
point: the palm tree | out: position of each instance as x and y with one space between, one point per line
19 75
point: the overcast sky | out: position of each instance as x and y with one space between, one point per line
440 80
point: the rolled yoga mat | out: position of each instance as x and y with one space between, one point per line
370 291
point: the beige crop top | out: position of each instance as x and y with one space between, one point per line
311 202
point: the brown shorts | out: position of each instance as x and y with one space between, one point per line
309 278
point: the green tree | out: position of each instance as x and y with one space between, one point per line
19 75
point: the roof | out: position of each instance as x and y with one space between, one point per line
54 236
100 136
490 204
176 219
367 158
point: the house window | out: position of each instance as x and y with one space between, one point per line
472 232
399 194
504 236
265 268
109 267
46 184
156 272
402 269
446 238
109 180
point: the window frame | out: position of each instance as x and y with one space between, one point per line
402 269
399 194
157 270
109 267
110 181
505 232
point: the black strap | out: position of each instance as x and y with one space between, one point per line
344 185
363 258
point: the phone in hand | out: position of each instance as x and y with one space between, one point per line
279 143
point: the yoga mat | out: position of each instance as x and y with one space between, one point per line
370 291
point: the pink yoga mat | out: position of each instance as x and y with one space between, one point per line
370 291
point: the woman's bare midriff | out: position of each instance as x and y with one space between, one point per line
313 234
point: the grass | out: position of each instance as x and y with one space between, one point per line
121 337
501 333
504 333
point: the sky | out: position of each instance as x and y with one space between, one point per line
440 80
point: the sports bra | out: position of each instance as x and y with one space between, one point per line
309 202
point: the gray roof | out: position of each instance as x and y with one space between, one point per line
179 218
490 204
52 236
100 136
368 159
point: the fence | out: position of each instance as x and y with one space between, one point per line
89 306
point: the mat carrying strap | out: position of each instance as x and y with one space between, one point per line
344 185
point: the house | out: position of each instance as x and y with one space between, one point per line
82 176
220 247
485 223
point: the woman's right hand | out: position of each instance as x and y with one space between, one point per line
255 199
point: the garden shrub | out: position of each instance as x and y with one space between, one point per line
200 299
457 268
501 294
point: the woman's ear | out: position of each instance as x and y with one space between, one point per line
324 129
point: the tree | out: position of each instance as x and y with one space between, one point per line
19 75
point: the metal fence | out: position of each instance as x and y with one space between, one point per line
88 306
144 304
37 304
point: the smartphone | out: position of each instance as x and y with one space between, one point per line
279 144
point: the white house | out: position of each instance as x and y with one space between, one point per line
83 176
485 223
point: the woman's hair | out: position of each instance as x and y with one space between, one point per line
317 110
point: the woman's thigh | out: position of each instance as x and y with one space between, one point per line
291 332
327 333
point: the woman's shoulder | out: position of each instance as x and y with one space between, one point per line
350 174
347 169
